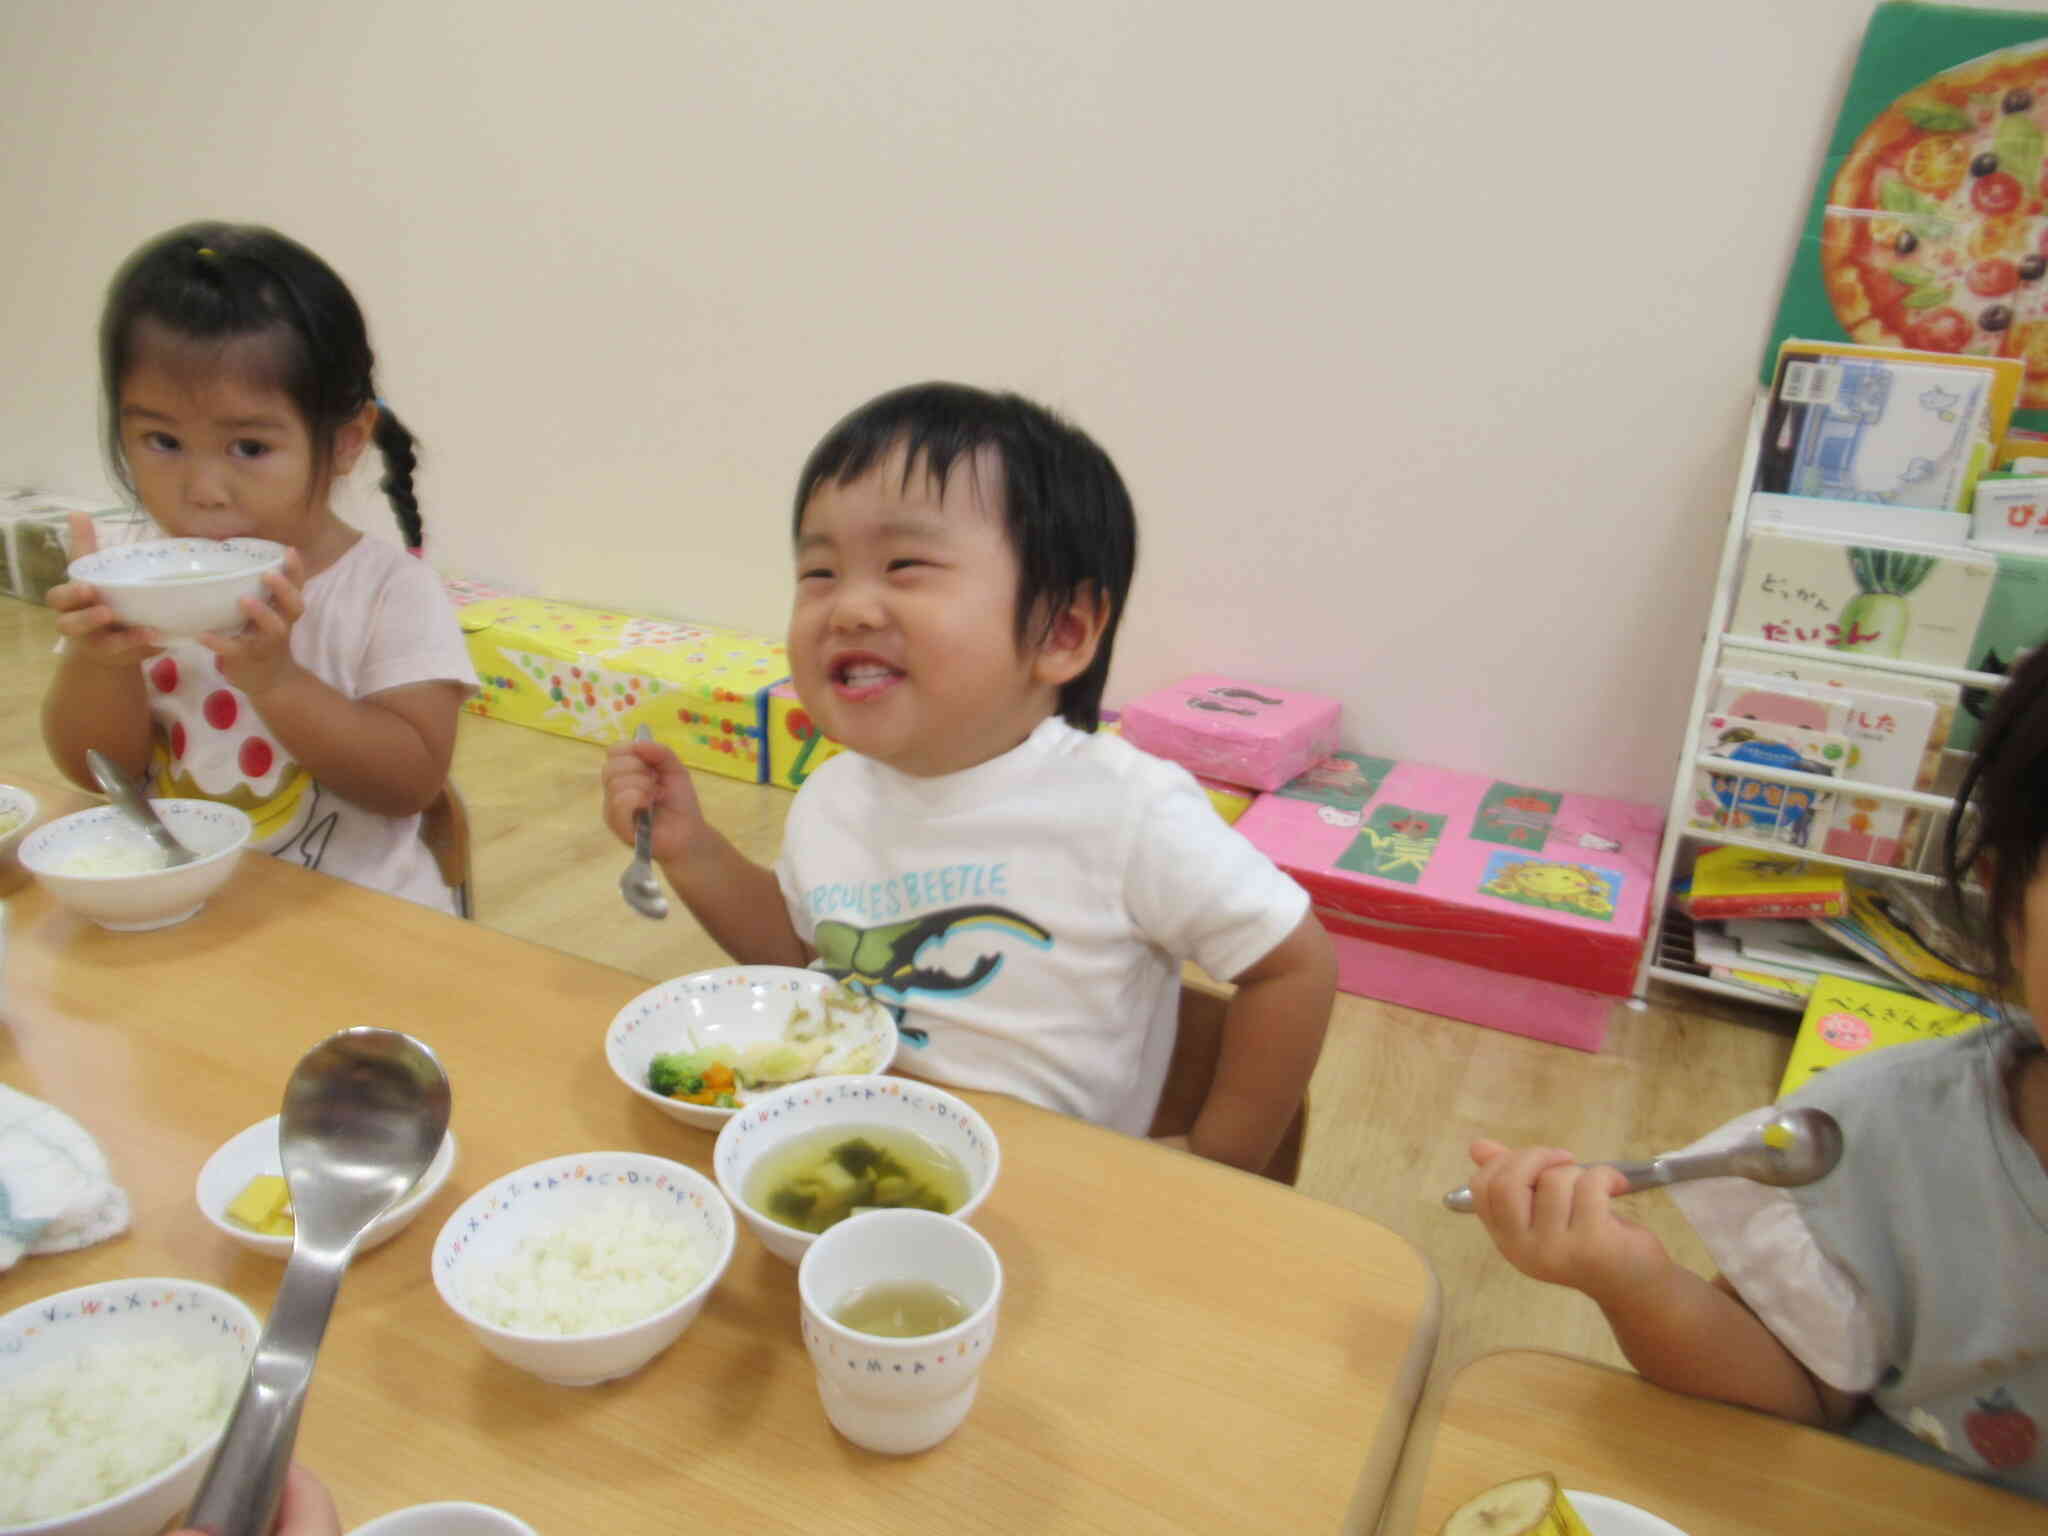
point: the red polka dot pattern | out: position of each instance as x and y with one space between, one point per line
165 675
256 757
221 709
178 739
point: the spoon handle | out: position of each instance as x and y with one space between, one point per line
1671 1168
245 1483
122 791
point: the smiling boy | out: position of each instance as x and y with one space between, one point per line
1021 890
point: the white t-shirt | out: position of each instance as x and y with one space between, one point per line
376 619
1027 917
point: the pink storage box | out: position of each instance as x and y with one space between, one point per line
1520 909
1241 733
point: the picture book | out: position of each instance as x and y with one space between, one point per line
1736 802
1878 933
1726 961
2010 511
1859 426
1886 599
1796 945
1844 1019
2015 621
1741 882
1931 168
1812 514
1765 983
1863 681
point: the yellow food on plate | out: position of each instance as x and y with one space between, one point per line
264 1205
1525 1506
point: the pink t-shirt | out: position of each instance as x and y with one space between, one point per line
376 619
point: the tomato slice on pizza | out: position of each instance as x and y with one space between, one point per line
1936 230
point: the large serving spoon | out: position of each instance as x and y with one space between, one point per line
1795 1146
120 789
364 1113
638 884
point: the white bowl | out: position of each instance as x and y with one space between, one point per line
254 1151
450 1518
115 1317
181 587
16 802
896 1103
155 898
488 1228
736 1005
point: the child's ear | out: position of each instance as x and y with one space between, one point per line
1068 646
353 437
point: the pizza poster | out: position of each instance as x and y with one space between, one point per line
1929 226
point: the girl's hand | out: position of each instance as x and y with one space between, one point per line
89 625
1554 1220
640 774
260 657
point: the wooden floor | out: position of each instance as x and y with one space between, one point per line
1396 1099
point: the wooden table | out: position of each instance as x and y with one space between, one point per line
1183 1348
1710 1469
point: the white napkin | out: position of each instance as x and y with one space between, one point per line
55 1191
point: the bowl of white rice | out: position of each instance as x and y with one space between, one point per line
112 1400
582 1269
102 866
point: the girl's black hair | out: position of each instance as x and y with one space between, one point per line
1065 508
2004 801
215 282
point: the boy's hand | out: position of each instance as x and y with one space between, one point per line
87 623
259 658
640 774
1554 1220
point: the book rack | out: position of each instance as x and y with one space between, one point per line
1668 956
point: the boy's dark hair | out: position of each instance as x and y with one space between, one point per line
2006 787
215 282
1065 508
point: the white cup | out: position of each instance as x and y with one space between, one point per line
899 1395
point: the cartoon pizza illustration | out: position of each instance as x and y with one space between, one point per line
1936 231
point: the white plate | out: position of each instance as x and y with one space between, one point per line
1611 1517
254 1151
736 1005
451 1518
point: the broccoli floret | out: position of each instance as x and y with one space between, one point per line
668 1074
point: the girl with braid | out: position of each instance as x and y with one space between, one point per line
238 381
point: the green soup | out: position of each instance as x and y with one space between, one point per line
824 1176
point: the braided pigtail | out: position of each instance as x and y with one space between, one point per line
395 441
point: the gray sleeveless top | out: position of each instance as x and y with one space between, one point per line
1939 1211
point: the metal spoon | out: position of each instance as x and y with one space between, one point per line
364 1113
638 885
1795 1146
121 789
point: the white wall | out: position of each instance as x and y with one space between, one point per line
1423 334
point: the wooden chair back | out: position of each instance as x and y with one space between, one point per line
1196 1049
444 828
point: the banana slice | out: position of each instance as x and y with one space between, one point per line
1527 1506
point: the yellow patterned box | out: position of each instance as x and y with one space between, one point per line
795 746
598 676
